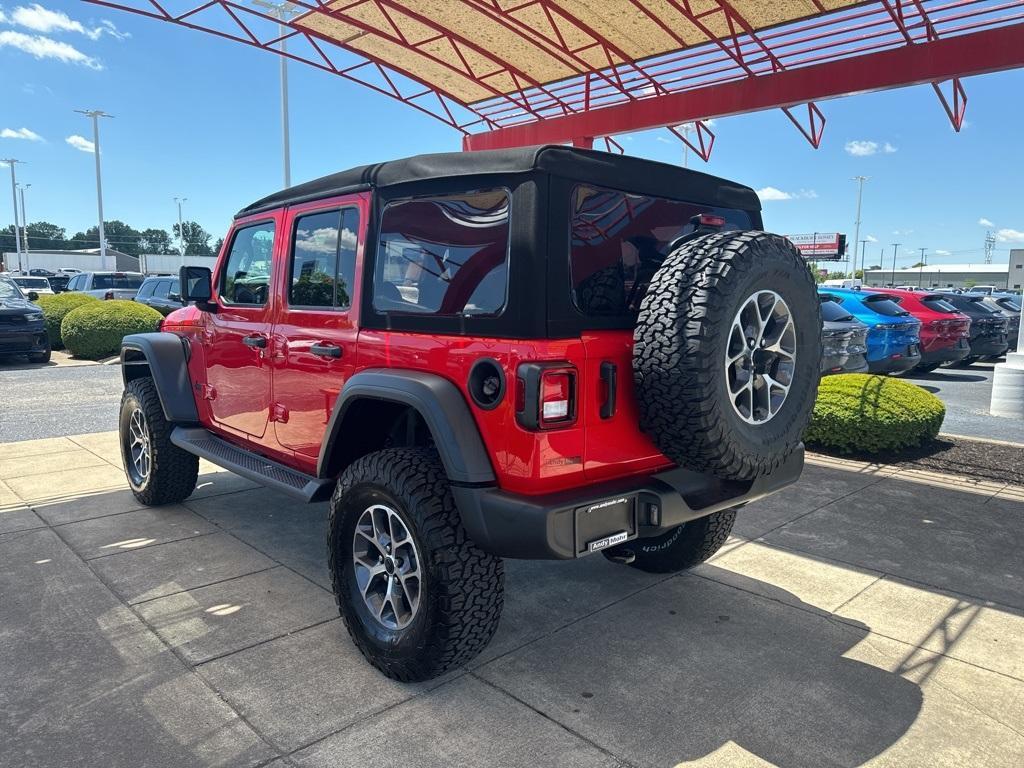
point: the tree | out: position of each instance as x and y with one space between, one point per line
118 235
156 241
218 245
859 274
7 239
44 236
970 282
197 239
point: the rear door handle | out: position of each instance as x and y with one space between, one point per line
256 341
325 350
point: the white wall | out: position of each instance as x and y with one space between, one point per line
153 264
53 261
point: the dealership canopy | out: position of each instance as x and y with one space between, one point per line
518 72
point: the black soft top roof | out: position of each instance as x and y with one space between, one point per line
602 168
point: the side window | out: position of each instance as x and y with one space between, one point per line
175 290
75 283
246 275
161 289
146 289
324 259
444 256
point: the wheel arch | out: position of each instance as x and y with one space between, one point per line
164 358
374 398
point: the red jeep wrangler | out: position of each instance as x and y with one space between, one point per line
534 353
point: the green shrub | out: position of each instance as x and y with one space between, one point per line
55 307
857 412
95 330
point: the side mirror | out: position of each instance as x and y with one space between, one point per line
174 297
33 296
197 285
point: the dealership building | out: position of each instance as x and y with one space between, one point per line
1007 276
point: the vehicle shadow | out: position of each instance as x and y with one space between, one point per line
680 671
943 375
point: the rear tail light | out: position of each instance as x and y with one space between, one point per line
710 220
546 395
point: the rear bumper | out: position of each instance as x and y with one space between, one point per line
894 365
948 354
989 346
575 523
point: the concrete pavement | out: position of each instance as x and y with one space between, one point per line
865 616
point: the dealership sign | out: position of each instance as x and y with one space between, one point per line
820 246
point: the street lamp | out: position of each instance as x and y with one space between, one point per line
894 247
96 114
856 224
24 218
14 195
282 12
181 229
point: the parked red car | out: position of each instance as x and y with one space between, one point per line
944 331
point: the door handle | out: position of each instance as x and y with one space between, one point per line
325 350
256 341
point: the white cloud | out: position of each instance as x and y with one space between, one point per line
871 239
46 48
861 148
40 19
1010 236
941 252
773 193
888 148
985 222
80 143
20 133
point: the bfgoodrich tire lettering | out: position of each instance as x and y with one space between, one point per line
681 342
683 547
460 591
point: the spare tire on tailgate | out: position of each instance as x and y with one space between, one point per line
726 353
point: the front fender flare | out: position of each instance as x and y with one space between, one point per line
437 400
162 357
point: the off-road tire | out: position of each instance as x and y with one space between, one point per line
679 353
173 472
684 547
603 292
462 590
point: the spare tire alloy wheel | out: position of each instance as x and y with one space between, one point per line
760 359
387 566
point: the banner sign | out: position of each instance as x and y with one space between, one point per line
821 246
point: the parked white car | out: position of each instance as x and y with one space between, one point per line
107 285
39 285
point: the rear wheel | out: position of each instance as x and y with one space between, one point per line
417 595
926 367
727 353
684 547
42 356
158 471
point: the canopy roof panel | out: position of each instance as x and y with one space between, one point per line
515 72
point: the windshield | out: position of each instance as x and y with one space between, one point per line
32 282
884 306
832 310
9 290
116 280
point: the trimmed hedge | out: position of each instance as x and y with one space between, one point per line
858 412
56 307
96 330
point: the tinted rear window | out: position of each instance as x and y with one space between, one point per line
884 306
831 310
618 239
938 304
1009 305
105 282
444 256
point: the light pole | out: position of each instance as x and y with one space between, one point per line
14 195
856 224
281 11
895 246
920 266
96 114
863 264
181 229
24 218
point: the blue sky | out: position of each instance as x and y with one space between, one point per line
197 116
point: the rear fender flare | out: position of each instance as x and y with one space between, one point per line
442 407
163 357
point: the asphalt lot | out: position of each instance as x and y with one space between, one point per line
865 616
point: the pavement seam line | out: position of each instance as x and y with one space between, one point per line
173 651
147 546
258 643
198 586
559 724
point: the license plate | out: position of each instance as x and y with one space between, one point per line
913 350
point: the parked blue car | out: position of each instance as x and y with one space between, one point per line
894 335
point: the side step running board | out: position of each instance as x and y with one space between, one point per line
260 469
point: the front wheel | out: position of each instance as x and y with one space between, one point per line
42 356
158 471
417 595
683 547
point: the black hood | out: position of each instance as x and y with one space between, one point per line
14 306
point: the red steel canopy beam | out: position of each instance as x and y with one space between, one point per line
975 53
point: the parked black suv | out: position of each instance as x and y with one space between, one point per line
161 292
988 326
22 331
